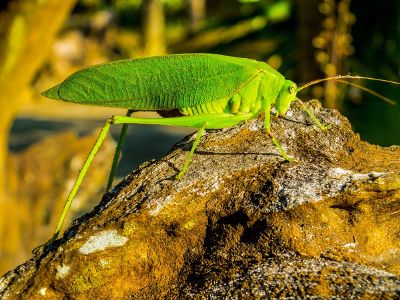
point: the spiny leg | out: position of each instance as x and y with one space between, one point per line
118 149
80 177
313 117
189 158
267 127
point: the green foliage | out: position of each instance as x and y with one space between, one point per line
278 11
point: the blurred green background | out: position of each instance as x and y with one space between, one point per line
42 42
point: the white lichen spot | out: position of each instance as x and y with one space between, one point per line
340 171
207 188
215 186
102 241
255 126
357 176
62 271
350 245
3 284
160 205
289 114
42 291
376 174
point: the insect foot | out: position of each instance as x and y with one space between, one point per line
236 201
326 127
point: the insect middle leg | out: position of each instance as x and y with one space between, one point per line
189 158
117 154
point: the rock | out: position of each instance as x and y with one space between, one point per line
242 223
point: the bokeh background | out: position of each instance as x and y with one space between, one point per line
43 143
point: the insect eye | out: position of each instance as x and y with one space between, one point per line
292 89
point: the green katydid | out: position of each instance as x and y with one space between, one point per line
208 91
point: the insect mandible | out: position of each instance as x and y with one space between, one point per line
207 91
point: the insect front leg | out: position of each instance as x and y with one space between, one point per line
189 158
313 117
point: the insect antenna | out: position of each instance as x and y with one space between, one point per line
339 78
376 94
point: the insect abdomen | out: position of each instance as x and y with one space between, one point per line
218 106
247 98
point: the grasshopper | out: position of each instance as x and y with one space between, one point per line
204 91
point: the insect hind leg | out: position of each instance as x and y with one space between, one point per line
117 154
80 177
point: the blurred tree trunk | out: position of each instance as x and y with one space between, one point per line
340 48
197 14
154 28
309 26
28 30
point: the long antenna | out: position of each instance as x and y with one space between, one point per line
376 94
341 77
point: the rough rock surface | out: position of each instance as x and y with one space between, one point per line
242 224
